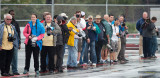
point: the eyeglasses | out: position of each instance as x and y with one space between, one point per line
9 19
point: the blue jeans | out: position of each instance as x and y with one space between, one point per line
147 47
154 45
73 54
84 50
15 61
93 56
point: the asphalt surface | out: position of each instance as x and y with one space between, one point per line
135 68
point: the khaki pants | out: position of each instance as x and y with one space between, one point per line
119 48
140 45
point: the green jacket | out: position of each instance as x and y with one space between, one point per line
108 28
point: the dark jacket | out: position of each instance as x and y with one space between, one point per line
139 24
63 38
101 35
147 29
15 23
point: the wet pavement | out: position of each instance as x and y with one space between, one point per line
135 68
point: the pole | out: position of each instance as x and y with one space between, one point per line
52 9
0 11
106 6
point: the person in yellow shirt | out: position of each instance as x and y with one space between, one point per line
8 41
49 43
72 43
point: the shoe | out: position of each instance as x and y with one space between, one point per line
115 61
126 60
51 71
5 74
25 72
122 62
154 56
16 73
43 71
10 74
37 72
94 64
60 70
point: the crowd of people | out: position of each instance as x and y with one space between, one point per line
90 40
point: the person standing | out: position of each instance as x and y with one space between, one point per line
99 43
52 30
138 27
15 53
8 41
34 33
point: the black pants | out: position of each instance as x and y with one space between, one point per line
121 55
59 53
99 45
6 59
28 52
147 47
50 51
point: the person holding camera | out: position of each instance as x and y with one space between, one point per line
61 40
72 43
138 27
8 41
81 24
123 30
34 33
52 30
107 36
147 33
114 41
93 31
155 33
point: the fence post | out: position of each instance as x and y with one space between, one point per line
106 6
52 9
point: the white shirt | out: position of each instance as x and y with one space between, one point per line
80 25
115 31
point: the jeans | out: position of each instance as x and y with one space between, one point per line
154 45
146 47
92 53
73 54
84 49
15 61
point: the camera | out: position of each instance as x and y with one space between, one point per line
48 31
110 48
77 16
126 29
10 37
79 34
33 41
93 27
148 20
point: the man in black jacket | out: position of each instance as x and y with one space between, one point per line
15 54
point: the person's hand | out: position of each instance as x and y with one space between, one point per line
19 46
70 28
88 40
30 37
50 31
94 28
126 27
34 39
0 48
89 27
108 41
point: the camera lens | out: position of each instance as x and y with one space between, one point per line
77 16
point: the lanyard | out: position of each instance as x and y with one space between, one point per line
10 28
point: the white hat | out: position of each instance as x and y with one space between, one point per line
63 15
82 13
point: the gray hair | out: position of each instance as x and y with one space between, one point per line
5 15
73 18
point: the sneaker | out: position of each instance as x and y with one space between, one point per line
51 71
5 74
16 73
10 74
37 72
94 64
60 70
154 56
43 71
25 72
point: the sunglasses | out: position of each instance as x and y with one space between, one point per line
9 19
